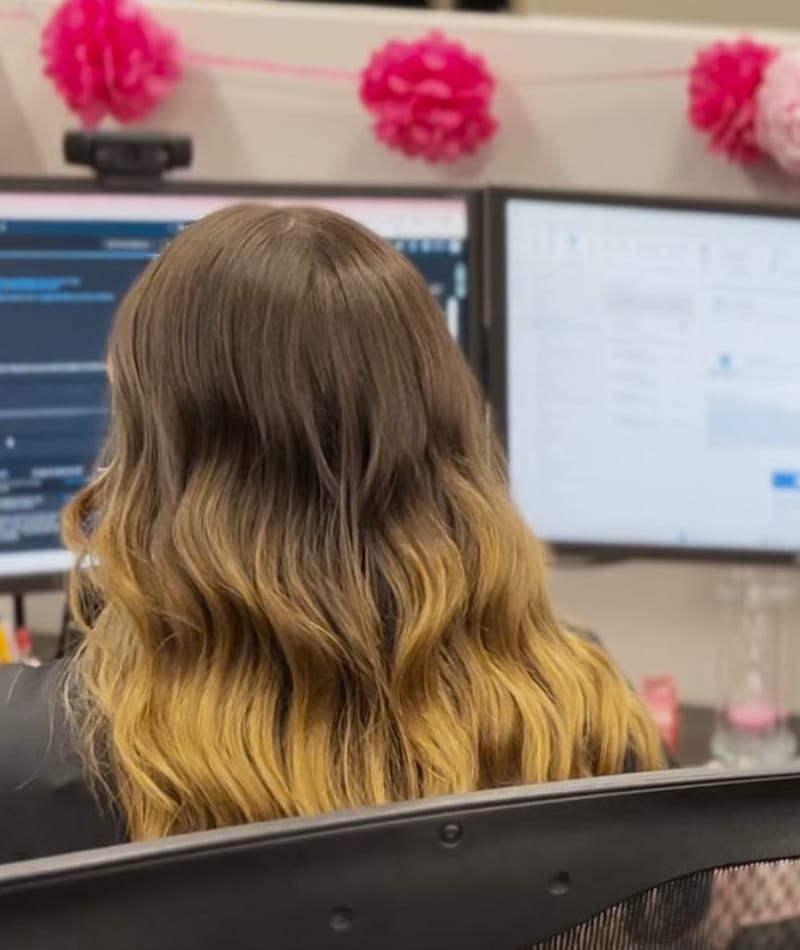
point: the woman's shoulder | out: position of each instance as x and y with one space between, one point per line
30 712
46 806
21 683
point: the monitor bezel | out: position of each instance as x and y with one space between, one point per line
496 351
472 195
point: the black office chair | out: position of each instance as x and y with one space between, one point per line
669 860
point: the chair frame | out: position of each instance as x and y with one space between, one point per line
484 871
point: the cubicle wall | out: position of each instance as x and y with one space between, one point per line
582 104
589 104
781 14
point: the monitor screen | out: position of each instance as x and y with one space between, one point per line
66 259
652 375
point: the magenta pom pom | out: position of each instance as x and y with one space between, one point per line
778 123
431 98
723 87
109 57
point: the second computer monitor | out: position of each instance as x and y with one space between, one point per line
646 367
69 253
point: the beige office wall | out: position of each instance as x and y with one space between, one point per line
783 14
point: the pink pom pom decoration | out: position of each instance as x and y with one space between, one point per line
431 99
778 122
723 86
109 57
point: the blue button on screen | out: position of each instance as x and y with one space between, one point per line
786 480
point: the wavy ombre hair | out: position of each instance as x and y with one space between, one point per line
317 592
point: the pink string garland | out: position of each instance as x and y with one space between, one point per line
299 71
290 70
304 71
430 98
747 109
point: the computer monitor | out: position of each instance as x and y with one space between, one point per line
68 253
645 366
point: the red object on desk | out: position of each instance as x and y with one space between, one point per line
25 647
24 643
660 695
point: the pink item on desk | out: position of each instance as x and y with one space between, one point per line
661 698
754 717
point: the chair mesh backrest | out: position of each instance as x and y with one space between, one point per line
748 907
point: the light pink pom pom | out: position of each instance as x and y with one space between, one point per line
778 120
109 57
431 98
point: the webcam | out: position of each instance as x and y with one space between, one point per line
122 160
